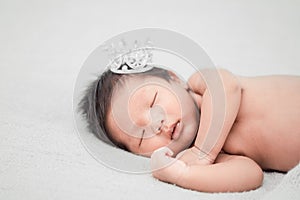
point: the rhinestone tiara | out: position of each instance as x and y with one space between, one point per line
126 60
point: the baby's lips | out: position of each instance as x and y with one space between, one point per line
177 130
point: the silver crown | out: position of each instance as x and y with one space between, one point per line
126 60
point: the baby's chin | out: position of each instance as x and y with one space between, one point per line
181 144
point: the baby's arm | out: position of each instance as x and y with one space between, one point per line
210 139
228 174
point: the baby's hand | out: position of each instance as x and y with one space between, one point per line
166 168
192 156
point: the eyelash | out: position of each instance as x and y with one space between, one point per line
142 137
151 105
153 100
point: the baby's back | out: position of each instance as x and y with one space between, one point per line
267 128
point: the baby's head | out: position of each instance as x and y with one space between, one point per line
141 112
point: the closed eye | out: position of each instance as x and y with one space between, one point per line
142 137
153 100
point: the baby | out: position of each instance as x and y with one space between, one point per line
154 113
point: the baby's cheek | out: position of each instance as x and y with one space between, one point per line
170 100
156 142
173 106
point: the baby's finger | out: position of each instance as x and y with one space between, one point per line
161 158
162 151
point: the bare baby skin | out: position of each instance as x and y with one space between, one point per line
261 129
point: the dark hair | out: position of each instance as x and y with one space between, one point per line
96 101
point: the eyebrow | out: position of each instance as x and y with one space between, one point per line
142 137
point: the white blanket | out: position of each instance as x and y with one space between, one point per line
288 188
43 45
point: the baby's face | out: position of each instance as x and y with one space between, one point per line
148 113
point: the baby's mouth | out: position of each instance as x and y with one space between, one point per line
176 127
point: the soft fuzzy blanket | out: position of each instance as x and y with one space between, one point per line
288 188
43 46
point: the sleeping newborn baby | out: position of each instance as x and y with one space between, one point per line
155 114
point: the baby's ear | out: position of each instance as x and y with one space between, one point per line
175 78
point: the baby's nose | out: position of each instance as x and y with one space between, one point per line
157 118
157 126
165 128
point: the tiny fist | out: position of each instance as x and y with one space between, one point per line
162 151
161 158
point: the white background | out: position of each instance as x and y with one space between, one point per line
43 44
